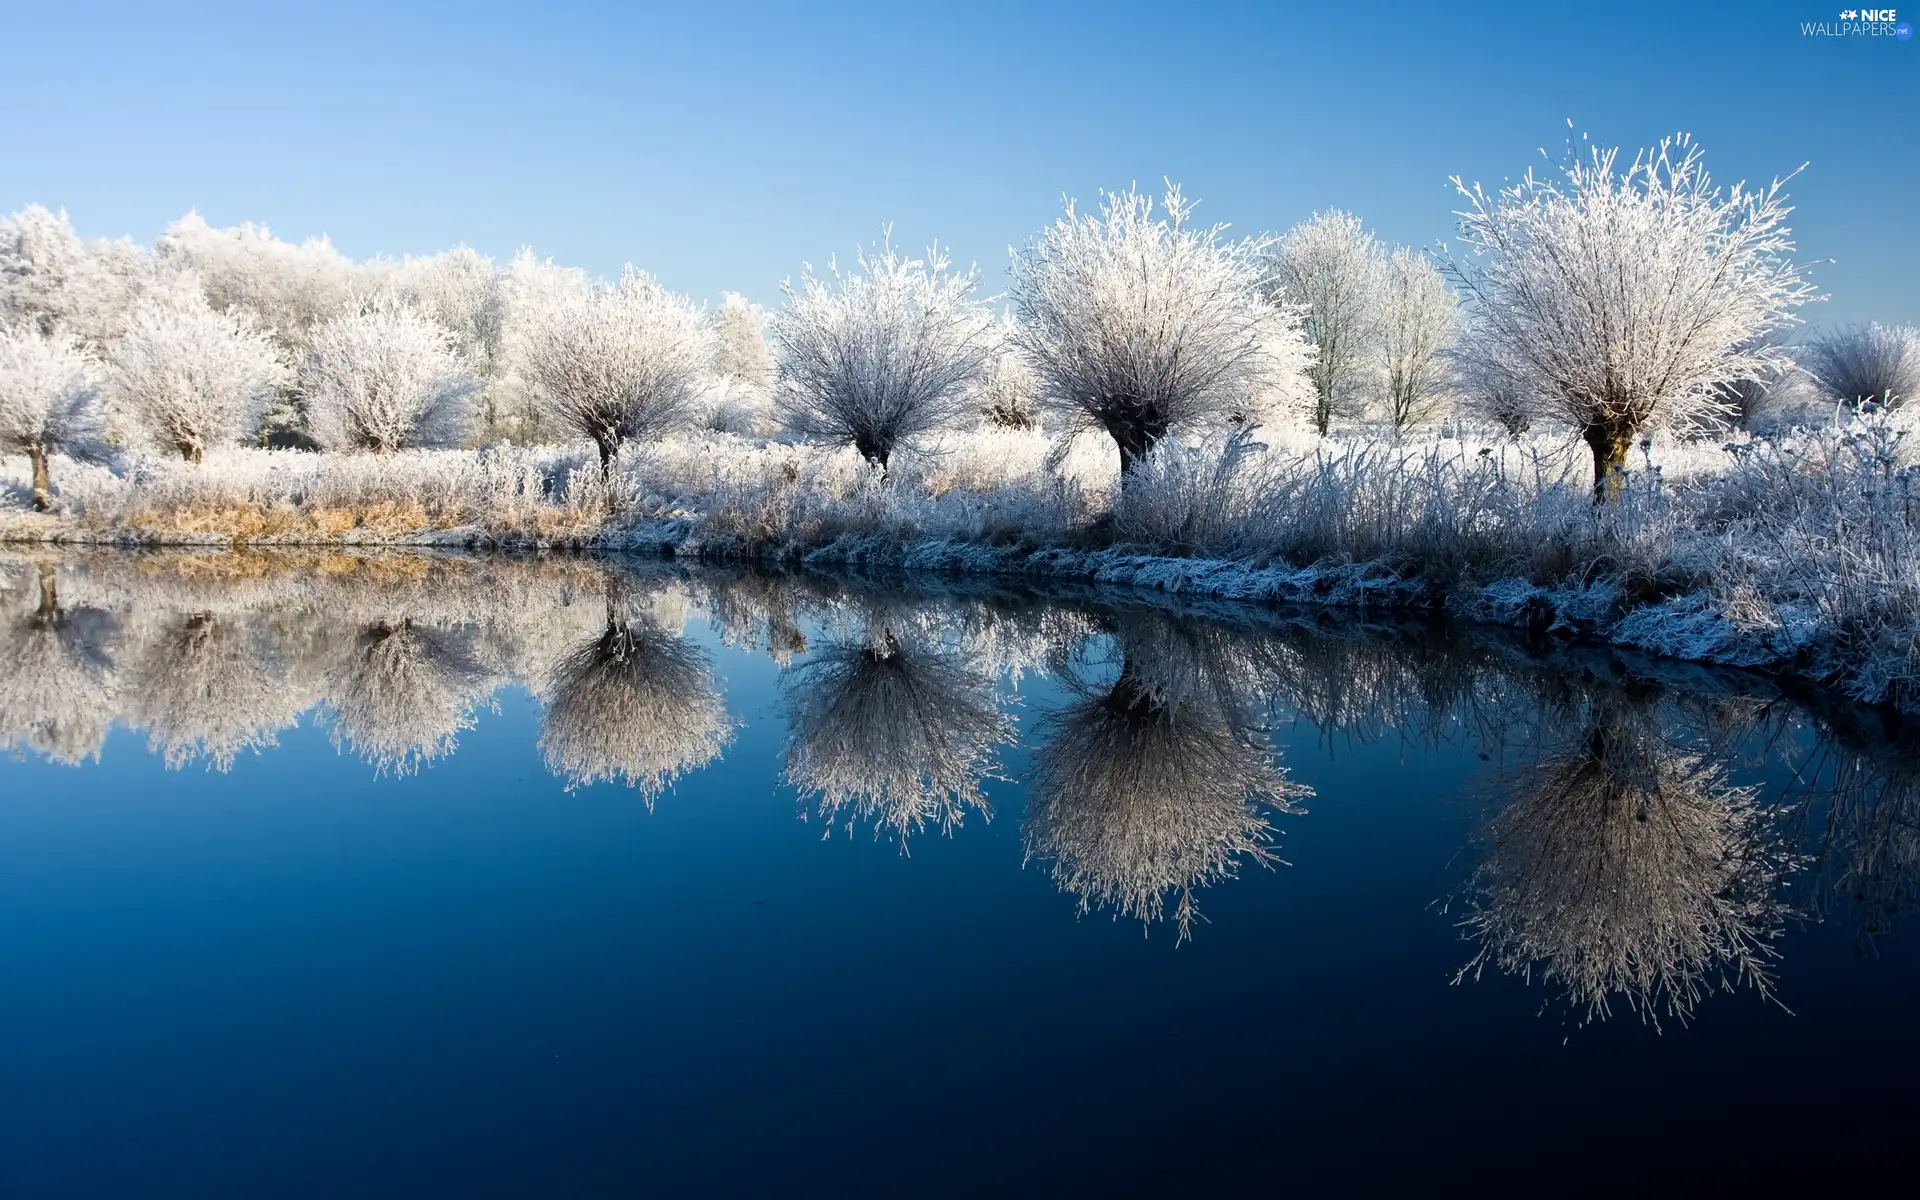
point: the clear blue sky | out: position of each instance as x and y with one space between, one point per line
719 145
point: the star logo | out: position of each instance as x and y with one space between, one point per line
1849 14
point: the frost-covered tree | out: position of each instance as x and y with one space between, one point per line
49 401
1008 394
890 730
291 290
880 357
740 350
1419 321
1141 324
530 287
1620 298
1331 269
462 292
384 380
743 367
1866 364
53 279
188 378
617 362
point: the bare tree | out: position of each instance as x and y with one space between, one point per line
1141 325
1621 298
49 401
890 730
1866 364
1419 323
384 380
1331 269
616 362
881 357
189 378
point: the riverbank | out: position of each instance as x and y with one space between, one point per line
1798 555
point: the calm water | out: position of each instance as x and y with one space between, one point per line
327 874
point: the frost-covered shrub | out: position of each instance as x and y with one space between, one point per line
186 378
1332 271
1142 325
51 278
616 363
384 380
741 397
530 287
1617 299
881 357
1419 325
290 290
1009 392
1866 364
49 401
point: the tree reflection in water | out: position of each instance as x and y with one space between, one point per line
59 686
1623 867
1158 783
892 729
403 692
636 704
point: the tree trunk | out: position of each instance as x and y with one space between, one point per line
608 448
1135 437
42 481
875 451
1610 444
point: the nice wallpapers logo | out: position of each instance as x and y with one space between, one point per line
1861 22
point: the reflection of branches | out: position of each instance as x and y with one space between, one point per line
58 682
1863 785
1157 785
1622 865
636 704
887 730
403 694
207 686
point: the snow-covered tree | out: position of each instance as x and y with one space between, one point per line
617 362
1008 394
743 367
462 292
1620 298
1419 321
49 400
1141 325
740 350
188 378
53 279
1866 364
878 358
530 287
289 289
383 380
1332 270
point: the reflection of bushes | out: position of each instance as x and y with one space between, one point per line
891 731
208 685
636 704
403 693
1622 866
1157 785
58 682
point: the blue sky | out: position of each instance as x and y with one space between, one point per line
720 145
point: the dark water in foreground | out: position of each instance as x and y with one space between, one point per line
330 875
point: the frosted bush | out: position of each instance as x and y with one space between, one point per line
1141 325
880 358
52 279
384 380
289 289
49 401
1866 364
1616 299
186 378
